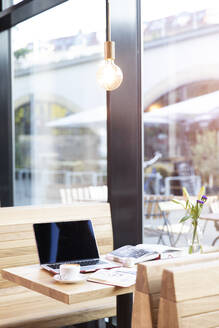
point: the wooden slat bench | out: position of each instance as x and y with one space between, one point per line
148 285
190 296
23 308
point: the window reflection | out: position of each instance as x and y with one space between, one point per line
181 99
181 103
58 143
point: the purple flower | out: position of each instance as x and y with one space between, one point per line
204 198
200 201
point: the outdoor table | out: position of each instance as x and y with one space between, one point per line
214 217
41 281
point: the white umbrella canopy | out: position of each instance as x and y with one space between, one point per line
81 119
155 118
187 110
98 117
191 109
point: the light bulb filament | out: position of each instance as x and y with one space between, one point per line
109 75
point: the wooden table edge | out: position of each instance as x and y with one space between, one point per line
65 297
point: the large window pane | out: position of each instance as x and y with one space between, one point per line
181 97
59 110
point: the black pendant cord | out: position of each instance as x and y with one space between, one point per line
108 27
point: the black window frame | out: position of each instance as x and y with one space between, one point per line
124 121
25 9
125 126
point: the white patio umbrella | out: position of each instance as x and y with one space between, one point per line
186 110
189 109
97 116
81 119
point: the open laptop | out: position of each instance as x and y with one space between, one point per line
69 242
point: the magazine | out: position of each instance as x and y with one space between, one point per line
130 255
165 252
122 277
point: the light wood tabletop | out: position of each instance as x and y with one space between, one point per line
210 217
41 281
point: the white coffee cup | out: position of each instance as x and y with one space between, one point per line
69 271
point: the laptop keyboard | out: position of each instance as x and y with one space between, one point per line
81 262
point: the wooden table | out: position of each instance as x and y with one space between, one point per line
39 280
214 217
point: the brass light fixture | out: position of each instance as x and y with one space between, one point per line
109 75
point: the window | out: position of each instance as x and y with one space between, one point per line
59 110
181 96
44 109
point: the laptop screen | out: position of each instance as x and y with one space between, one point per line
65 241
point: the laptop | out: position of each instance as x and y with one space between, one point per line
69 242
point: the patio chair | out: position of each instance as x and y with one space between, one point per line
90 193
157 222
178 230
174 230
214 209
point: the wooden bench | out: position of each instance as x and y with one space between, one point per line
23 308
148 285
190 296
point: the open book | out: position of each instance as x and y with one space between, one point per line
166 252
122 277
129 255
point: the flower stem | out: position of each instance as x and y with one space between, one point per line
194 233
195 238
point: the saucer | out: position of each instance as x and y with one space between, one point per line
79 279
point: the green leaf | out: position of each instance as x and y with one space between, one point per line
201 192
185 193
177 202
185 218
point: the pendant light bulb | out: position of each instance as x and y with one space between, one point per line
109 75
